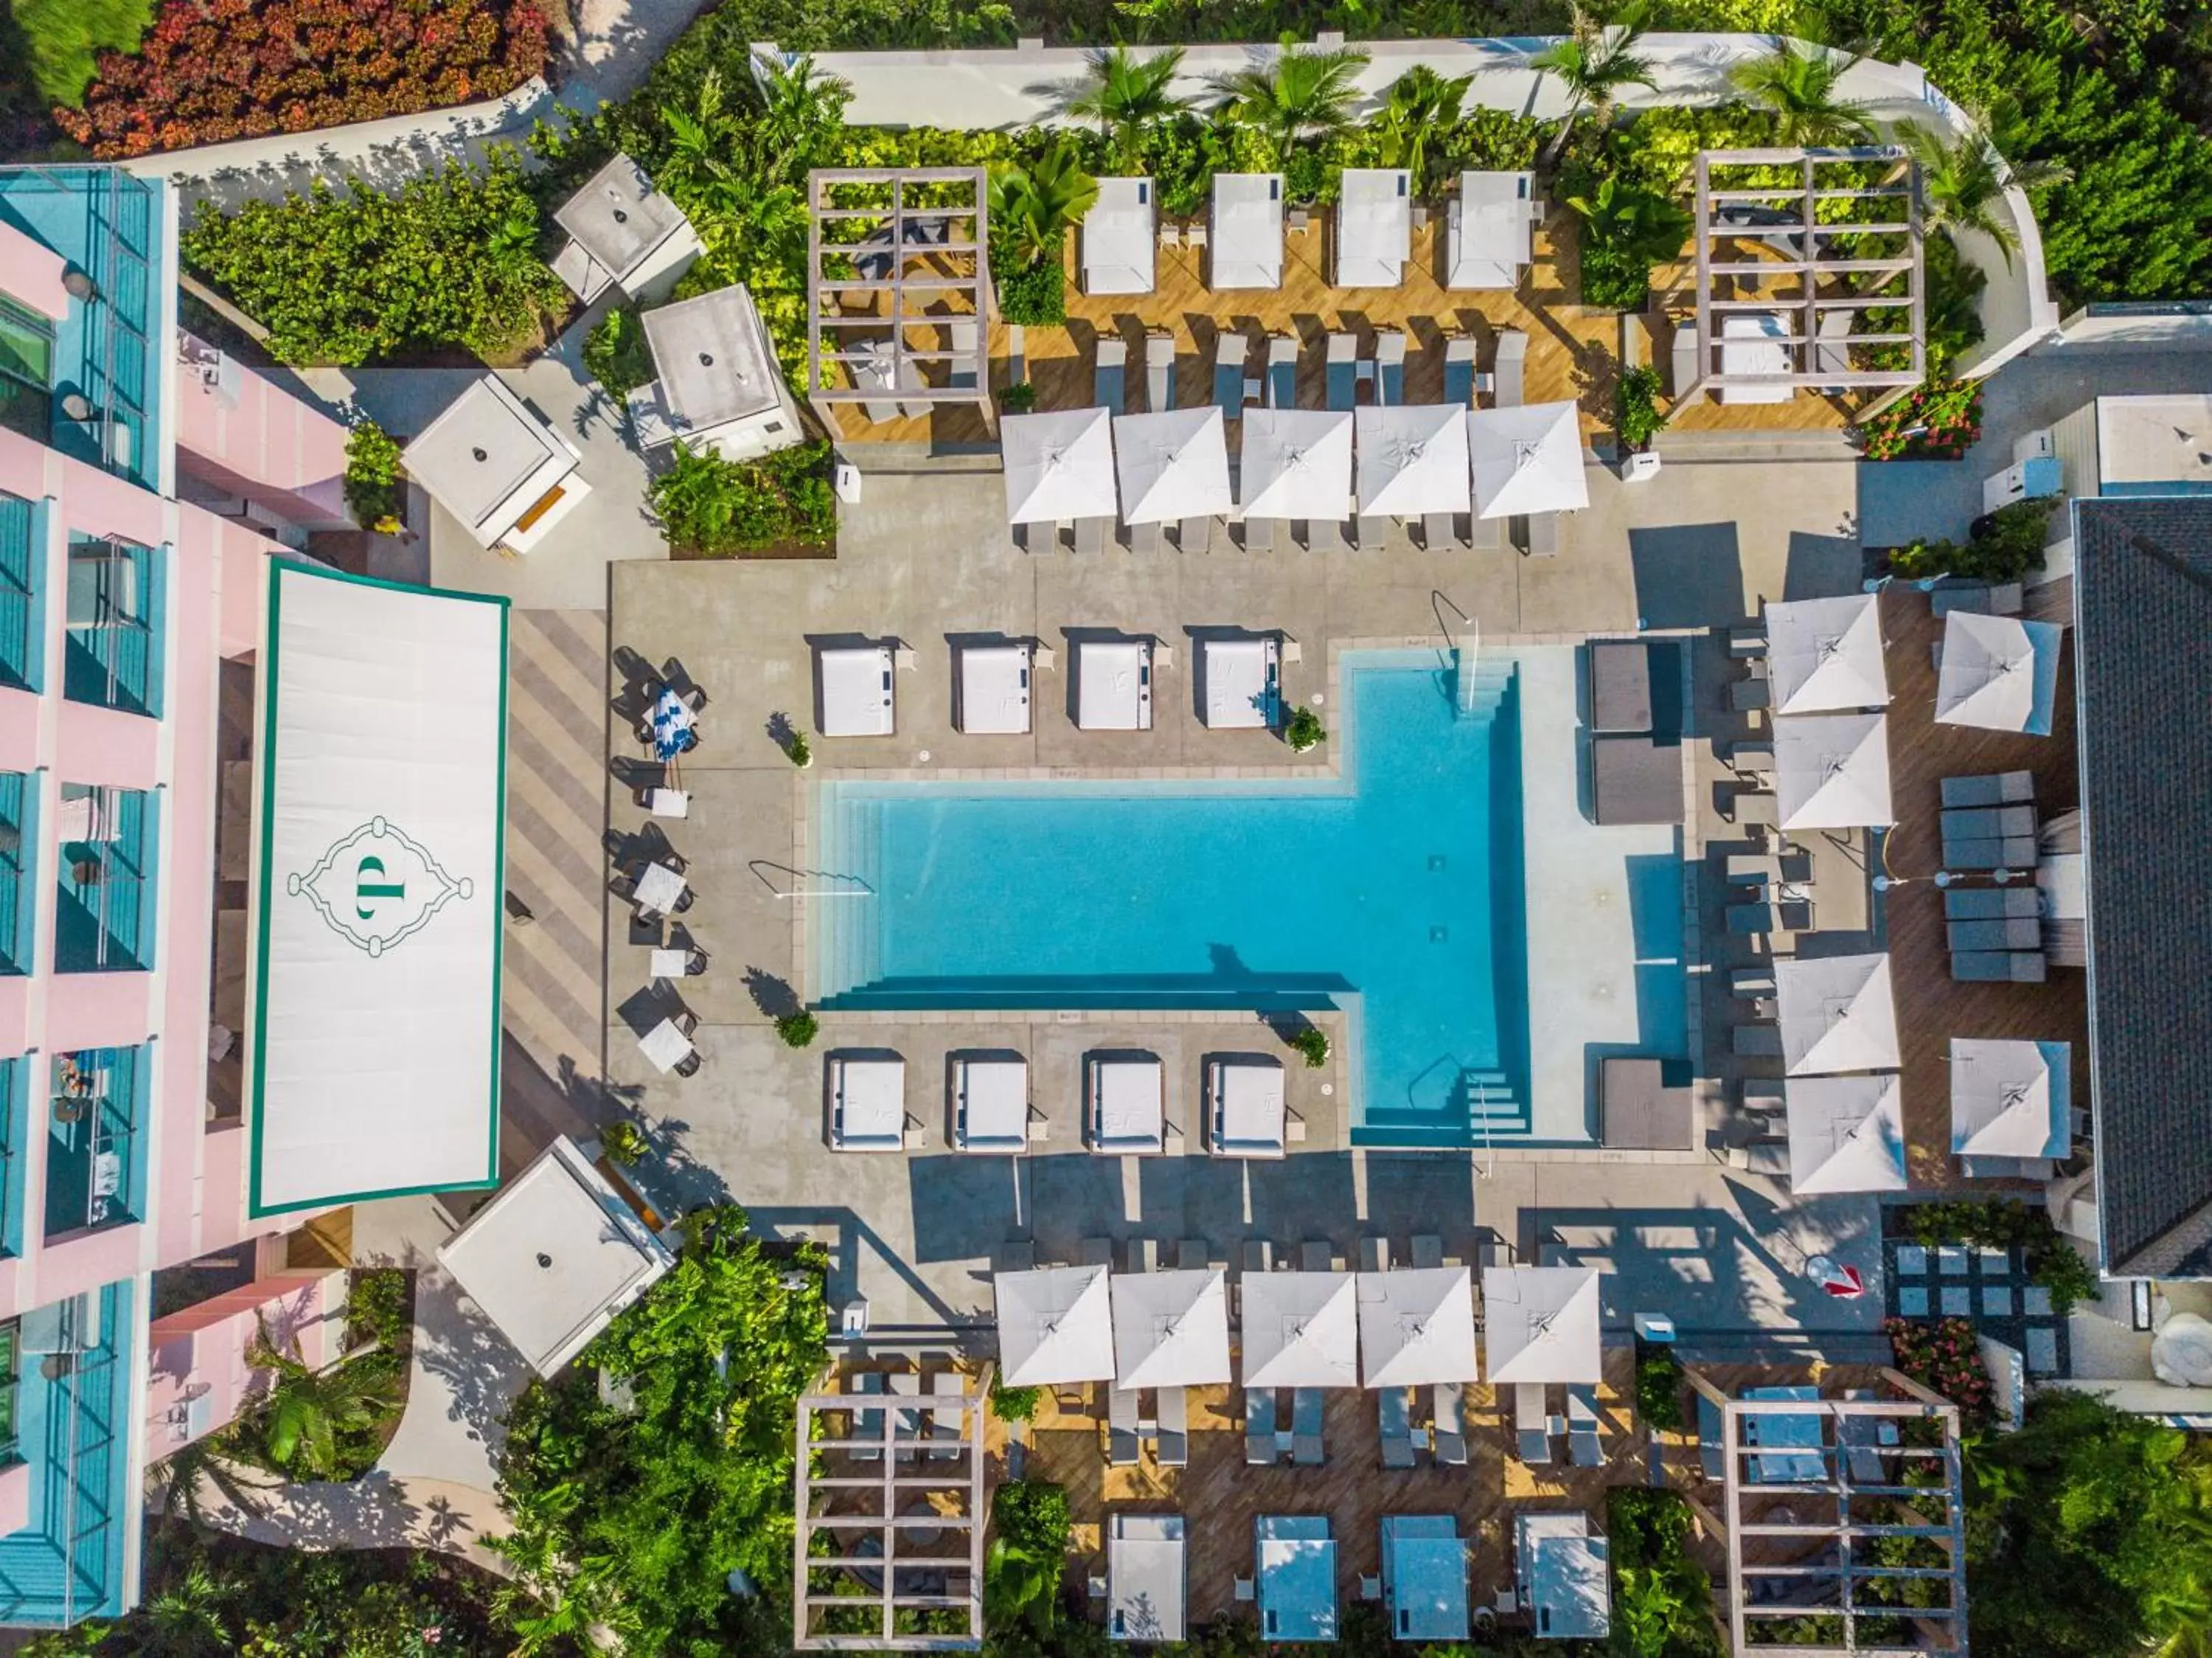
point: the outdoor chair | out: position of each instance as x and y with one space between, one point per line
1531 1423
1449 1402
1584 1450
1195 535
1121 1427
1282 372
1174 1428
1159 372
1396 1428
690 1064
1108 389
1259 535
1458 371
1309 1407
1390 367
1260 1448
1091 534
1510 362
1229 353
1342 389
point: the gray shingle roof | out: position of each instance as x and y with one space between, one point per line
2143 654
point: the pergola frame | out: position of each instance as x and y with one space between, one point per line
1806 308
858 1492
896 241
1936 1512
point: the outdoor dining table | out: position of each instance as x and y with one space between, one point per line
665 1045
672 721
670 964
659 889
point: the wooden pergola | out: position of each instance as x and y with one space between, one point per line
888 1549
899 290
1815 327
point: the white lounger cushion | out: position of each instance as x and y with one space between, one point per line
1130 1104
994 1104
856 692
871 1104
1113 692
994 690
1240 677
1249 1112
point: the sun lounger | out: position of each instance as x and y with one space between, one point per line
1175 1428
1438 530
1751 919
1753 758
1532 1424
1458 371
1541 537
961 338
1108 389
1325 535
1996 788
1390 367
1259 535
1342 388
1282 372
1746 696
1318 1255
869 1423
1757 1042
1754 808
1121 1427
1512 361
1761 1157
1584 1450
1991 904
1091 534
1229 353
2011 852
1448 1402
1145 537
1261 1449
1309 1406
1764 1094
2019 933
1752 981
1968 822
1396 1428
1997 966
1159 372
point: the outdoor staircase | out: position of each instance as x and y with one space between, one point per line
846 933
1478 696
1495 1113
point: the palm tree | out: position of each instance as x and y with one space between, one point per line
1128 95
2003 122
188 1614
191 1468
1595 63
1305 94
1797 83
1422 103
1960 184
1031 207
306 1410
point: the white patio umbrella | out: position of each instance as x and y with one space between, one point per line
1172 466
1832 772
1996 672
1413 459
1417 1325
1527 459
1056 1324
2009 1098
1058 466
1540 1323
1296 464
1300 1330
1170 1329
1836 1013
1846 1134
1824 655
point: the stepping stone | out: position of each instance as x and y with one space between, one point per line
1997 1300
1996 1260
1912 1300
1959 1303
2042 1352
2035 1300
1912 1261
1951 1259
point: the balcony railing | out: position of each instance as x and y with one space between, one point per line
117 593
23 543
94 1150
19 862
108 840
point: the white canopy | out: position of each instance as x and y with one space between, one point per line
1170 1329
1526 459
868 1104
1491 230
1131 1103
1113 685
994 689
1241 680
1300 1330
1056 1324
1566 1573
1826 654
372 1023
1836 1013
1997 673
1246 234
1172 465
1417 1325
1413 459
1832 772
1540 1323
1296 463
1846 1134
2010 1099
1374 226
1118 238
1058 466
994 1100
856 690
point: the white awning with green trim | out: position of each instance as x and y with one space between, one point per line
379 879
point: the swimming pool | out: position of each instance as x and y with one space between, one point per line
1398 892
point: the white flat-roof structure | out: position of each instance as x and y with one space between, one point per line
856 695
990 1102
1244 232
1113 684
1526 459
1147 1577
1119 234
1832 772
1296 463
1838 1013
720 387
1417 1325
994 689
1824 655
2154 444
1424 1577
1540 1323
1300 1330
622 233
1170 1329
554 1257
1055 1325
1058 466
1997 673
1489 230
1126 1107
504 473
1374 226
867 1103
1846 1134
379 860
2010 1100
1413 459
1564 1574
1241 683
1246 1116
1172 465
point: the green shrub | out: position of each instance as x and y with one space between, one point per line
374 494
1015 1403
797 1029
1304 730
1311 1042
616 353
801 751
379 1306
1019 398
2009 1223
1032 1514
624 1143
60 40
1658 1385
1937 420
1637 403
2005 549
712 508
1034 294
1662 1599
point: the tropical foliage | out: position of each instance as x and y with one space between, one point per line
2007 1223
1628 228
1033 207
1662 1599
1129 96
1021 1573
1310 1043
373 493
1939 420
616 353
1422 108
1658 1385
710 508
1637 407
1303 729
1796 84
2002 546
318 1424
1594 64
1942 1357
1305 93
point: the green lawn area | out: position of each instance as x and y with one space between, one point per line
60 37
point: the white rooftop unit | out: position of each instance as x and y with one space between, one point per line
1244 224
621 232
1119 234
721 387
507 475
1113 684
856 695
1374 226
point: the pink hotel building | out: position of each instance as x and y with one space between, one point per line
145 480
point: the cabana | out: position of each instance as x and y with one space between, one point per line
1170 1329
1300 1330
1119 235
1417 1325
501 470
1172 466
1147 1575
1489 230
1125 1110
1541 1324
991 1103
1424 1577
855 691
718 384
1244 229
1058 466
1413 459
1832 772
1055 1325
1564 1575
994 689
1836 1013
1374 226
1846 1134
1825 654
1246 1116
1296 463
867 1104
1527 460
1296 1586
2010 1105
1998 674
1241 684
1113 684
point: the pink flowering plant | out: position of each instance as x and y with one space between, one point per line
1942 1357
1939 420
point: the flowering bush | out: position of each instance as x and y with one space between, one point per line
1939 420
1942 1356
212 71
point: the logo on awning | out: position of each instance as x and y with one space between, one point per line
377 887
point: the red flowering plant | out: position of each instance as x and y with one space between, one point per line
209 71
1938 420
1942 1357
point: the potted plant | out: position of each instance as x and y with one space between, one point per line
801 755
1303 731
1636 417
624 1143
1312 1042
797 1029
